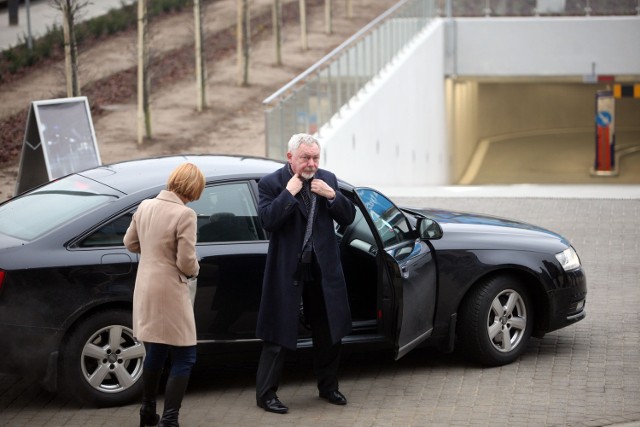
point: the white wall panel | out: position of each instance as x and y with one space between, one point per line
393 133
552 46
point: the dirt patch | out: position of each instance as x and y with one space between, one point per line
233 123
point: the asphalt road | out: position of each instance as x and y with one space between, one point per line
585 375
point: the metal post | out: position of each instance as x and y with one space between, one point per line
330 99
487 8
340 82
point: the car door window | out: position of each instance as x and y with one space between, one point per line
391 224
227 213
110 234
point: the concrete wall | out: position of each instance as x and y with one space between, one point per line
393 132
556 46
463 117
520 107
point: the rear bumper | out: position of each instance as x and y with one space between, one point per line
30 352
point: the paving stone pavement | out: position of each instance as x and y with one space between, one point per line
585 375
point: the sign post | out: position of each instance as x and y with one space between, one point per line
605 135
59 140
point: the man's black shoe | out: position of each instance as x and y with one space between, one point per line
334 397
272 405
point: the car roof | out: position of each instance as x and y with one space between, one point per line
136 175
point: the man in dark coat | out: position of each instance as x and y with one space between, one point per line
297 205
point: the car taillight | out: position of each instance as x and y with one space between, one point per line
1 278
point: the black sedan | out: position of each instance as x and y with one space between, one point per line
415 277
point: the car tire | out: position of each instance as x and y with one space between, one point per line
101 361
495 321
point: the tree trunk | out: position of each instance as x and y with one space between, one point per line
242 35
328 25
277 30
201 65
70 48
144 113
303 24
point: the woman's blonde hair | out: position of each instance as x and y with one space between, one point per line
187 181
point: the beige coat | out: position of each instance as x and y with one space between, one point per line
163 232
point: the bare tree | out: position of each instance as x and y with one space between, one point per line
144 81
70 12
201 65
243 41
303 24
277 30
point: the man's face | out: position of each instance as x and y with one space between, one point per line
304 161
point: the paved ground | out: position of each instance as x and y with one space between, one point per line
585 375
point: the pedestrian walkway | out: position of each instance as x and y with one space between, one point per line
600 191
40 16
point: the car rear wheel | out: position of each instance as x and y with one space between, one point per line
496 320
101 361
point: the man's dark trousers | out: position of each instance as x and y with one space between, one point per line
326 356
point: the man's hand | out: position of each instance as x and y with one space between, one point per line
323 189
294 185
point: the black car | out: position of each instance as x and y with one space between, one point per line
415 277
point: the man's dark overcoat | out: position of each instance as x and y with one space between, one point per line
285 216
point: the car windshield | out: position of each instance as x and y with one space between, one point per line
34 214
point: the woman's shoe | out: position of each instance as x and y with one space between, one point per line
148 415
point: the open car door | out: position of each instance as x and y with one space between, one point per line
410 269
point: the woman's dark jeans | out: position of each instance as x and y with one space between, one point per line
182 358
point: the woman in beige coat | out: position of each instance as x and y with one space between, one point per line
163 231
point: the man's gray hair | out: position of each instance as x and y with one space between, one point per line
301 138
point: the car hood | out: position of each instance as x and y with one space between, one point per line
475 231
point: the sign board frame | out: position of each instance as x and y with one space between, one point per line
59 139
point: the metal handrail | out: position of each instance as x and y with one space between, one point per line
314 97
335 52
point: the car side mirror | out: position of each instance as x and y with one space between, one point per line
428 229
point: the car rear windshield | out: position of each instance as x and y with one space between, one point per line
36 213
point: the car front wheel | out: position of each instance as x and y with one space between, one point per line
496 320
101 361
